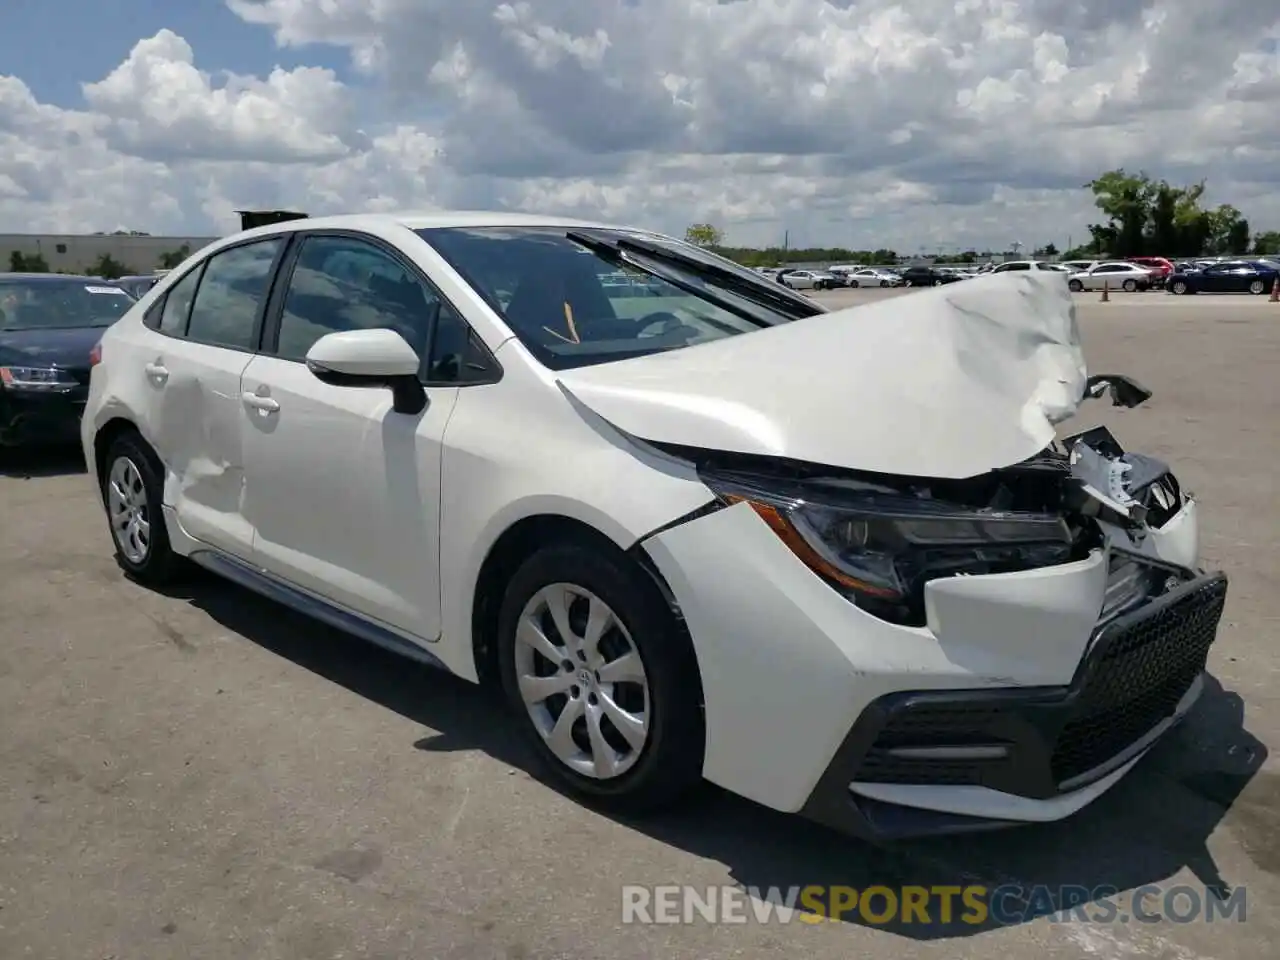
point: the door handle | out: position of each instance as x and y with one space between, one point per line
157 372
259 402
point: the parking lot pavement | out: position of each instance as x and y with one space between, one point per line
205 775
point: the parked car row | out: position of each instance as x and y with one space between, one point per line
1255 275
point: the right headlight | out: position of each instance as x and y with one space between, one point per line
880 547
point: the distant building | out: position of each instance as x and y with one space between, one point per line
78 252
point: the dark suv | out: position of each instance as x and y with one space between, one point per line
926 276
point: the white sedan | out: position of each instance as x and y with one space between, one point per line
870 277
1115 275
808 280
685 533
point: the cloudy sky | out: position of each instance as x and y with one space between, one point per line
935 123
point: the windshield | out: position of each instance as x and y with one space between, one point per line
51 304
574 298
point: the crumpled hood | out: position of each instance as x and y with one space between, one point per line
949 383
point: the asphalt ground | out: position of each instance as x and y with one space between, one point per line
205 775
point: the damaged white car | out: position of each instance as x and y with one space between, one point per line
693 527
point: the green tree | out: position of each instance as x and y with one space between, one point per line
109 268
1267 242
704 235
27 263
1125 198
174 257
1156 217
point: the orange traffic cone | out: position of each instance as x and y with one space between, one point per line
1275 290
1106 291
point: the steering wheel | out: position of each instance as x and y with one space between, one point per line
665 321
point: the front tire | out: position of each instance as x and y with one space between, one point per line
132 492
853 284
601 677
1180 287
1076 286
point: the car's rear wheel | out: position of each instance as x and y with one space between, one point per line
1180 287
853 284
1257 287
1076 286
1130 286
601 677
132 491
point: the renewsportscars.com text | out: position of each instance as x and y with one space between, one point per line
970 904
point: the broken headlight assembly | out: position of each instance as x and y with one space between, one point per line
879 546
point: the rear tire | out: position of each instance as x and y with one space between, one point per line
132 493
1076 286
1129 286
1257 288
853 284
658 759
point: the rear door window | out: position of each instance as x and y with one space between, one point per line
233 290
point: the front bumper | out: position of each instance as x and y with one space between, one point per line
41 418
914 760
805 694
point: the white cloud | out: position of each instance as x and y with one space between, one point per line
940 122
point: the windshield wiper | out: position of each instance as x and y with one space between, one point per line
791 303
616 251
613 254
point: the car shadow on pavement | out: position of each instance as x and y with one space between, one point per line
1149 827
27 463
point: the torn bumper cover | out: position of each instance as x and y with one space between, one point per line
930 762
920 762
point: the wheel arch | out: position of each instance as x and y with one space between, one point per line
107 434
521 540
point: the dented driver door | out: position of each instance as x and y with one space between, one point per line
193 376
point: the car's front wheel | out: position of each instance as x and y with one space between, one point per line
132 491
1180 287
1075 285
602 678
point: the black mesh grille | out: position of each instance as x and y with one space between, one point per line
1141 665
1139 673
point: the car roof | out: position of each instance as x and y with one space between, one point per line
50 278
427 220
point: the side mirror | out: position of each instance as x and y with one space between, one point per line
370 358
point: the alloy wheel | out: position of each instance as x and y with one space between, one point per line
127 509
582 681
1257 287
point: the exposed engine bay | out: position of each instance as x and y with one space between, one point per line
879 538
